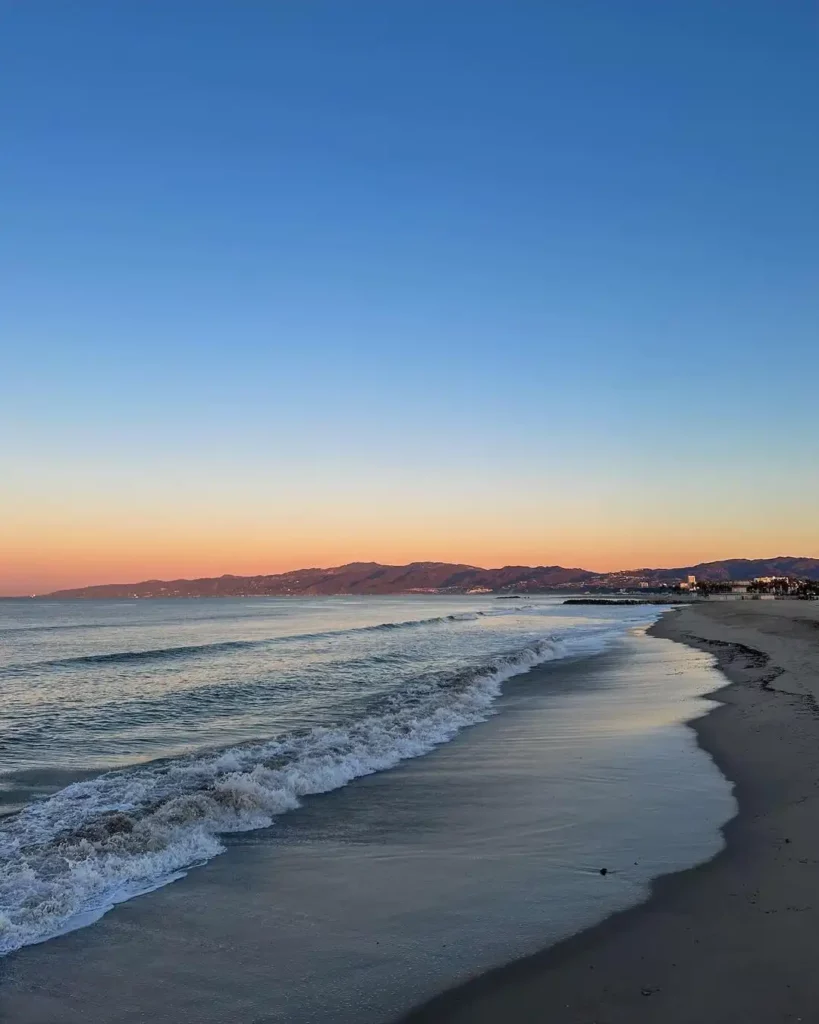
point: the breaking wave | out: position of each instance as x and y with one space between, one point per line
68 859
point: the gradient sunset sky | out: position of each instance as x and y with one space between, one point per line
300 283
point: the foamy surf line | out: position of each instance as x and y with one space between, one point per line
67 860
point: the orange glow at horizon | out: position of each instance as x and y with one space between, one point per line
121 530
42 560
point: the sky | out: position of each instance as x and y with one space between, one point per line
289 284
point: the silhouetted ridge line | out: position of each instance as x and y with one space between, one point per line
443 577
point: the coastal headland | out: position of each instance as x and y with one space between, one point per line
732 939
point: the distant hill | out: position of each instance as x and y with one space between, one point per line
442 577
729 569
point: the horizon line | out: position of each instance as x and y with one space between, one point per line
417 562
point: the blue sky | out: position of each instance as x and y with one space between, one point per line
404 249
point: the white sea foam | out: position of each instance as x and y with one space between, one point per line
66 860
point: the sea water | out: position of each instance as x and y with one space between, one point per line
138 737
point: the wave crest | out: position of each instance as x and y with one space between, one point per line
67 860
195 650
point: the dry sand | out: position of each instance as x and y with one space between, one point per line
733 940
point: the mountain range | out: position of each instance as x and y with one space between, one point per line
444 577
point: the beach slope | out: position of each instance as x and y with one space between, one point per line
730 940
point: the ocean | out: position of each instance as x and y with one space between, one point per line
483 760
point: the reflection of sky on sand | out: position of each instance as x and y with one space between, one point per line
373 897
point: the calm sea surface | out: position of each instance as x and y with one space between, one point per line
137 736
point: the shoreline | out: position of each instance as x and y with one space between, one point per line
376 896
728 939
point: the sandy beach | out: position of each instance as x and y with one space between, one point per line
250 935
402 884
733 939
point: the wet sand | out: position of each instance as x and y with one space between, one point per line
733 939
379 895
